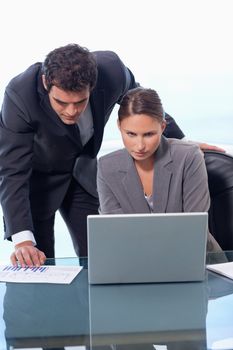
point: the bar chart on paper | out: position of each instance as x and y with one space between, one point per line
42 274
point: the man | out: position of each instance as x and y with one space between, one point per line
51 129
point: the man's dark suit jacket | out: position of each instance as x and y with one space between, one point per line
39 155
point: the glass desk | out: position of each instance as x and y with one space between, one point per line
140 316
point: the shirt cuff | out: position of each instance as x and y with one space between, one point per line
22 236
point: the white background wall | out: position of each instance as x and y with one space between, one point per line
181 48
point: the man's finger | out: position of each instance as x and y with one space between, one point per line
13 259
20 258
42 257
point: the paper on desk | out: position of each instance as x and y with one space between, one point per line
225 269
42 274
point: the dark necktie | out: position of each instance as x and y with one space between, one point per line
73 130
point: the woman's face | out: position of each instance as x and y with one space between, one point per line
141 135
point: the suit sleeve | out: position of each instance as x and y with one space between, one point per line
16 145
195 182
196 191
108 202
172 130
130 82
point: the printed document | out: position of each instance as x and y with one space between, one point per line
42 274
224 269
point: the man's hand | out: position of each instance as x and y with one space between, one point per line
207 147
26 254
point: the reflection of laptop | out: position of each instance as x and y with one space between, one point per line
140 248
147 312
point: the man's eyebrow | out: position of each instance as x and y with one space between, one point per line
60 101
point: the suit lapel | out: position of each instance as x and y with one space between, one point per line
162 176
133 187
97 103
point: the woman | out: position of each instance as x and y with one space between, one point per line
152 173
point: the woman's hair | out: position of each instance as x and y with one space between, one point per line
141 101
70 68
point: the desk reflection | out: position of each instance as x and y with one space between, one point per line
140 316
122 317
47 315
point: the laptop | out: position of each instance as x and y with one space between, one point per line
147 248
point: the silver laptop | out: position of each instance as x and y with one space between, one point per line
146 248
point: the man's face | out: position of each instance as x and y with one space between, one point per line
68 104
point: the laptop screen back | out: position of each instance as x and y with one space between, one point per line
144 248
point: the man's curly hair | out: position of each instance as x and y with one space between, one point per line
70 68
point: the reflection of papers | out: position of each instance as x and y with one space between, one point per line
223 344
42 274
225 269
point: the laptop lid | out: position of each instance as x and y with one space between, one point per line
146 248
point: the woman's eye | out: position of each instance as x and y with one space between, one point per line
150 134
130 133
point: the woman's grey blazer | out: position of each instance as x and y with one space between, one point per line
180 182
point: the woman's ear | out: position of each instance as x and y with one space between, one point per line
164 124
118 124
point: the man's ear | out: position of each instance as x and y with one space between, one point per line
44 82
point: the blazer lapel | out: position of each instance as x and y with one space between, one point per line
133 187
162 176
97 103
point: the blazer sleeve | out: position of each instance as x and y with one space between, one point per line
16 145
108 202
196 191
172 130
195 182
